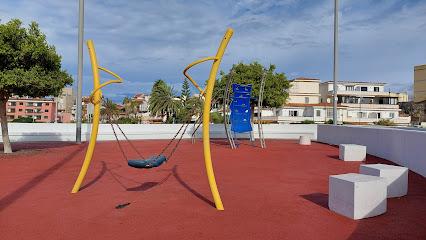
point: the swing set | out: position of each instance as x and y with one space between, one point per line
157 160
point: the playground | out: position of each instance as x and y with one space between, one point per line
276 193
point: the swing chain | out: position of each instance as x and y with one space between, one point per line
109 113
188 119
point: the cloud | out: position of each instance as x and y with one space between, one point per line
141 41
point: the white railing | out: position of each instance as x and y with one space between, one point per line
372 106
361 93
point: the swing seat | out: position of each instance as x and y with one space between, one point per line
151 162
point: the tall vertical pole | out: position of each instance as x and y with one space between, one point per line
80 69
56 109
336 26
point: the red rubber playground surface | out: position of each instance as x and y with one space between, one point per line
280 192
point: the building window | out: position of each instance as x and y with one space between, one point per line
329 112
37 117
21 103
350 88
362 115
46 110
11 103
392 115
47 104
364 89
10 117
11 110
293 113
46 117
20 110
376 89
318 113
306 99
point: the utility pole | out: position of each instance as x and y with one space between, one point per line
56 109
336 26
80 69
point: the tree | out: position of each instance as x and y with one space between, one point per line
163 100
188 105
417 110
28 67
109 110
134 107
186 91
126 103
276 84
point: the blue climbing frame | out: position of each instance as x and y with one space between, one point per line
240 111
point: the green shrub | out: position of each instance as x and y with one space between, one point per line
307 122
23 120
127 120
385 122
216 117
330 121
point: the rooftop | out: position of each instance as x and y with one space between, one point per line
280 192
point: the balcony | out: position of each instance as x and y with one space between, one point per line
360 93
372 106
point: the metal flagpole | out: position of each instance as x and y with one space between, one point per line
80 69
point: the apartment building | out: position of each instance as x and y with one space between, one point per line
365 102
39 109
67 105
358 103
143 100
304 90
66 100
419 83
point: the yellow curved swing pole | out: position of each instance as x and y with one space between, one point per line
206 114
95 98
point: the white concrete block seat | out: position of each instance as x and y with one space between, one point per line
396 177
352 152
357 196
304 140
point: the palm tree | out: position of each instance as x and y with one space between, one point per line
109 110
126 103
134 107
163 101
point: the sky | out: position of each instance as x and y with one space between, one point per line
142 41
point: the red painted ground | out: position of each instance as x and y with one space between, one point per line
274 193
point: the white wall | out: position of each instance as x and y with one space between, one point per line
405 147
35 132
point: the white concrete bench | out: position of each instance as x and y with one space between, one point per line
397 177
304 140
352 152
357 196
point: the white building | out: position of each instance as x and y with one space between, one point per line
366 102
143 100
358 103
